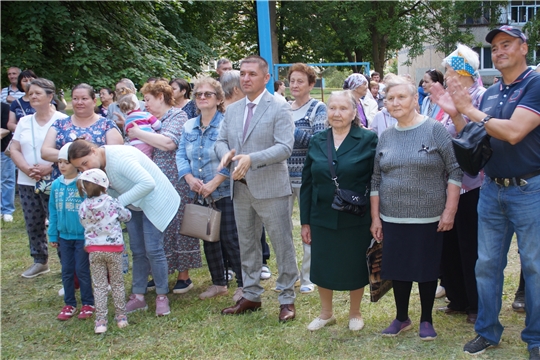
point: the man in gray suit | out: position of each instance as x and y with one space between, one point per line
255 141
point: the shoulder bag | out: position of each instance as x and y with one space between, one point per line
345 200
44 185
7 151
472 148
201 222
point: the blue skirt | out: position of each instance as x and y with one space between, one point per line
411 252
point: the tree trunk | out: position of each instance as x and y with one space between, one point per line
273 32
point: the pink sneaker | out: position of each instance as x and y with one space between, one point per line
162 305
135 304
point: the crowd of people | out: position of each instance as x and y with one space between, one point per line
231 144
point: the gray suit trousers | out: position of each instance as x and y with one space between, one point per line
251 214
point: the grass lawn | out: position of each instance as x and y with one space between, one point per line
196 330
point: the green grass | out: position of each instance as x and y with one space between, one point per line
196 330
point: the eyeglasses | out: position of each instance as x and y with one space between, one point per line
207 94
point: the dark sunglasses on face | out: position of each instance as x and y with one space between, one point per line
207 94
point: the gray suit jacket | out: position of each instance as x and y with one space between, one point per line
269 143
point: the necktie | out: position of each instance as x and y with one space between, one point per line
248 119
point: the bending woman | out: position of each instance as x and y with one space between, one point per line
140 185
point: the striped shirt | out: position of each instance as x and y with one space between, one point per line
9 91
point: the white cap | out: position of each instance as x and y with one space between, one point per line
63 153
95 176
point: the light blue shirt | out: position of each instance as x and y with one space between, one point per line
196 155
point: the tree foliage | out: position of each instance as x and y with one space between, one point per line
532 30
100 42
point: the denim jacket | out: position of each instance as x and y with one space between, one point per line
196 155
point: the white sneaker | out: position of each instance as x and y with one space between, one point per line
229 275
265 272
440 292
319 323
306 289
100 327
356 324
7 218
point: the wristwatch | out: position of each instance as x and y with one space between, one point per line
486 119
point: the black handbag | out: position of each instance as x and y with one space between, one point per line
345 200
472 148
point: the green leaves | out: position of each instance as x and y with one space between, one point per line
99 42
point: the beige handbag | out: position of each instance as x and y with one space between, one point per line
202 222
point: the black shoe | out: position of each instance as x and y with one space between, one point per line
151 286
519 301
183 286
476 346
534 353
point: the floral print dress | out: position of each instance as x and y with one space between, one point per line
67 132
182 252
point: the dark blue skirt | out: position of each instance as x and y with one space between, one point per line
411 252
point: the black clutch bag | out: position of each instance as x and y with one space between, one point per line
349 201
345 200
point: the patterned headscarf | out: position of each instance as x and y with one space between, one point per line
354 81
464 61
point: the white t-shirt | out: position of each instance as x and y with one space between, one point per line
279 96
23 134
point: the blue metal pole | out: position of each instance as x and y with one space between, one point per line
265 39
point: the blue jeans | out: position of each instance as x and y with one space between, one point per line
74 258
501 212
146 244
8 185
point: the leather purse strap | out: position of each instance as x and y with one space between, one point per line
211 203
330 157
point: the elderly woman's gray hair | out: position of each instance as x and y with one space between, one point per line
45 84
400 80
230 80
129 84
350 96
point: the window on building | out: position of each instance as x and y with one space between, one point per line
523 11
485 57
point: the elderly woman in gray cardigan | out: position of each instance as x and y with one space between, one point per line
414 197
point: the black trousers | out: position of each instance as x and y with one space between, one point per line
460 252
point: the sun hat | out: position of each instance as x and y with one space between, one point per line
95 176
